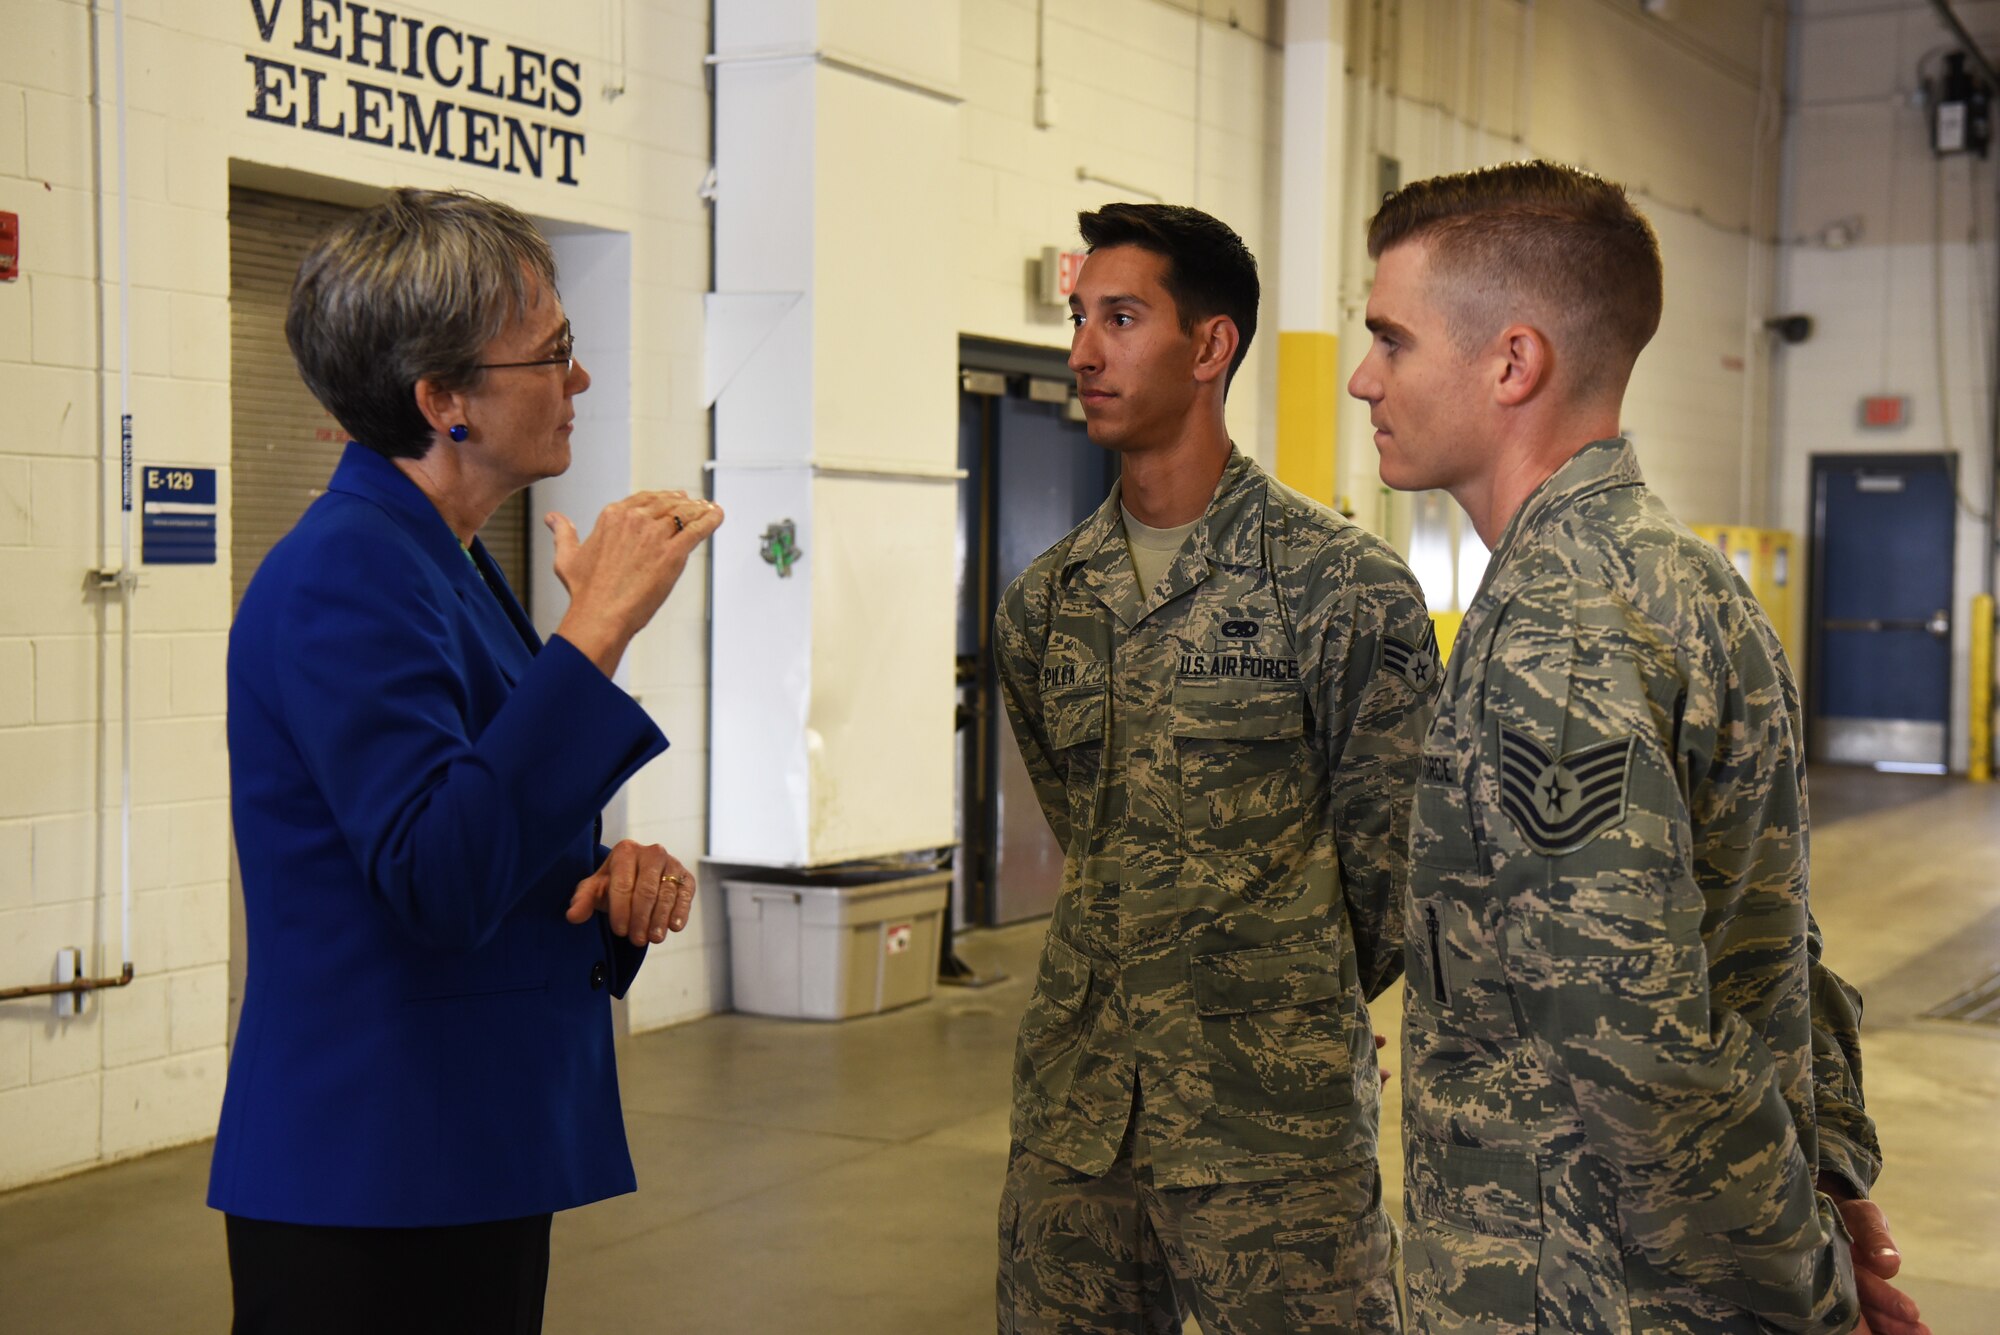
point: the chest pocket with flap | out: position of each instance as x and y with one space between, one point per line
1244 765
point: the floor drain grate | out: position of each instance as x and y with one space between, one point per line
1978 1004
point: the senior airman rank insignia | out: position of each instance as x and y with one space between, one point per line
1416 663
1559 805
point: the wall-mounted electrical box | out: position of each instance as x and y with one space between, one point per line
1961 110
10 247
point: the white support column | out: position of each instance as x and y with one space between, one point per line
832 360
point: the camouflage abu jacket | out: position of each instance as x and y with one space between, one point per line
1227 762
1617 1026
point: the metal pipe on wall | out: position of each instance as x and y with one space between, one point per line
127 577
1754 295
122 580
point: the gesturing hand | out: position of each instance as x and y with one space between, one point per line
618 576
646 891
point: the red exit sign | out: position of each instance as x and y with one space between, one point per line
1884 412
1059 269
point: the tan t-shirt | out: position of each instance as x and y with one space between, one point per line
1153 549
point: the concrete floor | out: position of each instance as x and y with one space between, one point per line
844 1178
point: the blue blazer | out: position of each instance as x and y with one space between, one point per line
415 780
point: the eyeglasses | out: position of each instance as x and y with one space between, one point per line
565 355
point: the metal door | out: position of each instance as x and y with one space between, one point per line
1884 528
1032 475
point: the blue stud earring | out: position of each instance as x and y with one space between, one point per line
458 432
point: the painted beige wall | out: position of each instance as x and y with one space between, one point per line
1130 107
1668 105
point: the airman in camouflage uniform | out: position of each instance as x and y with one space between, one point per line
1226 759
1625 1067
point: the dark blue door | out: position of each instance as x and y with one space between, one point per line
1884 528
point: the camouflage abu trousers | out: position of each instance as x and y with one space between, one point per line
1115 1255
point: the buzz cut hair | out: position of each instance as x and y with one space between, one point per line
1209 269
1561 247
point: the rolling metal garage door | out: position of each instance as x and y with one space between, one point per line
283 444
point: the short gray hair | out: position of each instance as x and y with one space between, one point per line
411 289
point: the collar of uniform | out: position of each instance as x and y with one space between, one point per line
1598 466
1231 533
1099 561
364 473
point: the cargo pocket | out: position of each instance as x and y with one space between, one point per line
1074 720
1052 1030
1340 1276
1243 779
1275 1025
1474 1249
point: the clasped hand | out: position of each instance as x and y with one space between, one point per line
644 890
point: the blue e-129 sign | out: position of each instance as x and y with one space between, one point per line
177 525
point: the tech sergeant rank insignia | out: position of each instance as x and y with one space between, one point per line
1559 805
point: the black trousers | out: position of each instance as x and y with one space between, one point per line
304 1279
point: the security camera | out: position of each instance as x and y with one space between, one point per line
1791 328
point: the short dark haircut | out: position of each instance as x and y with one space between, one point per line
409 290
1209 269
1556 240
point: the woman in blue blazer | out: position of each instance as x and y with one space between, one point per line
423 1070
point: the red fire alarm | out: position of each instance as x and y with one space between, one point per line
10 247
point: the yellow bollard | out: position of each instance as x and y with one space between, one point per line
1981 769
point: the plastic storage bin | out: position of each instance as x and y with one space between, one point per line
819 951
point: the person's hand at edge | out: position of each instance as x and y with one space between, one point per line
1885 1309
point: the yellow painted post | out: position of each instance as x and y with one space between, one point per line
1308 401
1982 689
1447 624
